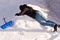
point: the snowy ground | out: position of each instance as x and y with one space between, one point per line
25 28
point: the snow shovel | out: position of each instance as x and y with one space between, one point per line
7 24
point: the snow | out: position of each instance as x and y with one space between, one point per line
25 28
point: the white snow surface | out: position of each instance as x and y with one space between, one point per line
25 28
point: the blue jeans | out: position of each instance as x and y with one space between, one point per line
39 17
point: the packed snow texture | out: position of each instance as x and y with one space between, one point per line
26 28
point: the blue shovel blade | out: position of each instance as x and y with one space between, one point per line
8 24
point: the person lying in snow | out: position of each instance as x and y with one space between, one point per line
27 10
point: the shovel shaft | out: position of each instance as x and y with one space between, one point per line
4 20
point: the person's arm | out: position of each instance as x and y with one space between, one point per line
26 9
22 12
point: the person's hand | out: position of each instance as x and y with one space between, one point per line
17 14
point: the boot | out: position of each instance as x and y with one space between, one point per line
55 28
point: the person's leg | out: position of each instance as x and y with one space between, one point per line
55 28
54 25
39 18
44 22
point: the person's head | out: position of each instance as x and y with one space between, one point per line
22 7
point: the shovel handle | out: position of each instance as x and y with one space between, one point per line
4 20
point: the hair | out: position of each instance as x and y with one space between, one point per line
22 7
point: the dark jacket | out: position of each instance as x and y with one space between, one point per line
31 13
